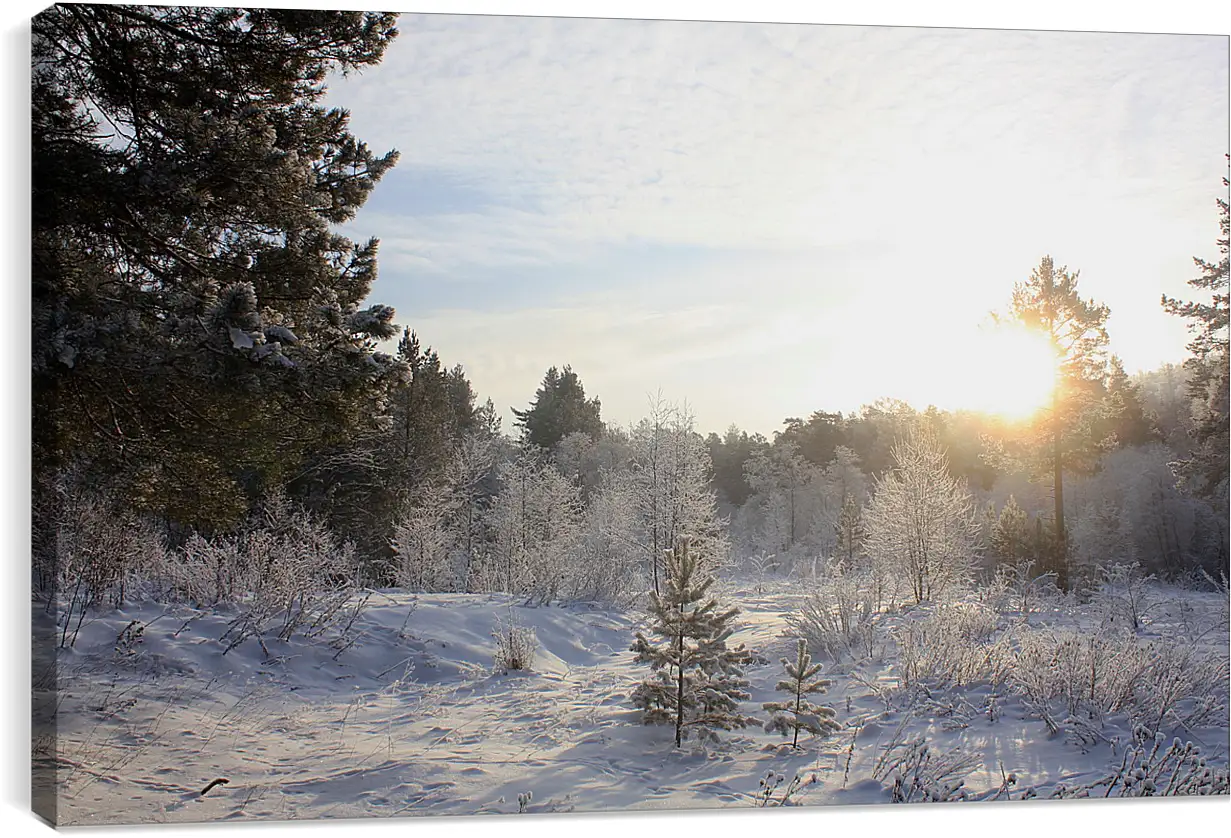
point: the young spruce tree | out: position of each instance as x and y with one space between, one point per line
790 717
697 682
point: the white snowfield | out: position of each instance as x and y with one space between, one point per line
412 719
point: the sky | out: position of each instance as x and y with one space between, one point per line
765 220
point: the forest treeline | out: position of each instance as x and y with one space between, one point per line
210 393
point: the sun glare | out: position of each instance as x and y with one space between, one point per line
1011 374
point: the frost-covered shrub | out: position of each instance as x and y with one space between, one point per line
1180 685
1071 676
516 646
1124 595
1178 771
1092 675
839 618
98 548
1025 591
952 646
285 571
918 773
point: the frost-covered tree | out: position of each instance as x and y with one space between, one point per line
697 682
846 490
1207 468
848 530
535 527
790 499
667 483
585 459
798 713
1011 539
921 524
1132 510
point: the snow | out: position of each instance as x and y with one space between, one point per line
413 718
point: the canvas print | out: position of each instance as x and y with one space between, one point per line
493 415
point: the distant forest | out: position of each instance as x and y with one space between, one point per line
208 378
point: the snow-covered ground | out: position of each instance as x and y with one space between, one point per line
412 719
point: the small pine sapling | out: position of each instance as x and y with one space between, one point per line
790 717
697 682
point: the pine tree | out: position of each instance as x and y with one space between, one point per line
198 324
560 408
1072 431
696 681
1207 469
1011 539
1127 416
790 717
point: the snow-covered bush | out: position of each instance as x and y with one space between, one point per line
839 617
1024 590
98 549
285 571
1125 595
516 646
774 790
1180 770
952 646
918 773
1068 676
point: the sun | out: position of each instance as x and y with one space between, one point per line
1011 373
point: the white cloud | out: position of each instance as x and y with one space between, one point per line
921 172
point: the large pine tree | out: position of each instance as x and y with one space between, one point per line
197 324
697 681
1072 431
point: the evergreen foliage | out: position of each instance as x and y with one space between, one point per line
798 713
697 682
1207 468
560 408
197 325
1072 432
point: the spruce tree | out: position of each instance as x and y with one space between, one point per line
790 717
696 682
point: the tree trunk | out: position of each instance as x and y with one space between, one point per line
679 692
1061 557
